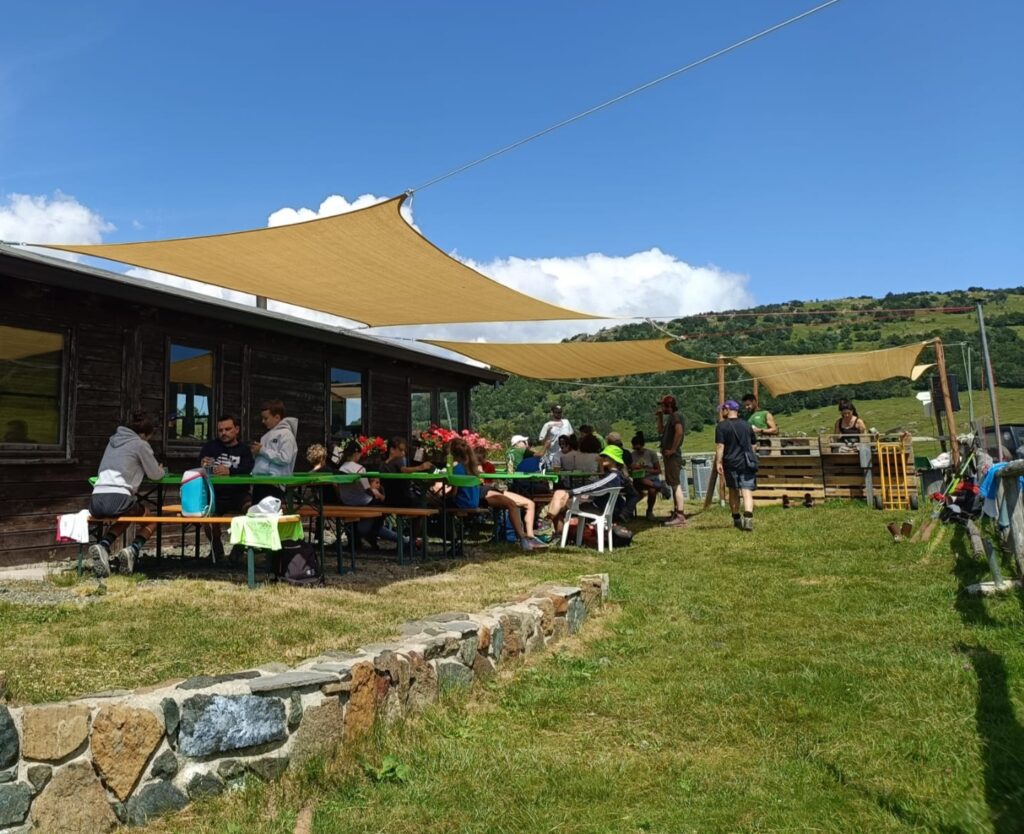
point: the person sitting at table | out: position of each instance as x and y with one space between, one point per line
225 455
276 451
398 493
511 502
532 464
363 493
485 466
127 459
650 483
611 463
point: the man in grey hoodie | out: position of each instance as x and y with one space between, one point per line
276 451
127 459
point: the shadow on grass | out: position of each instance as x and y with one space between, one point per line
1002 739
969 570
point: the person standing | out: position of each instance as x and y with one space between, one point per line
276 451
761 420
549 434
736 463
127 459
226 455
672 430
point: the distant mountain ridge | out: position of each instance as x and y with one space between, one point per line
794 327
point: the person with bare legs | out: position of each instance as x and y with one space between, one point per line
672 429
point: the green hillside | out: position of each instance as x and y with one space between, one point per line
851 324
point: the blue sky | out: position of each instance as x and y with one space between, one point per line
875 147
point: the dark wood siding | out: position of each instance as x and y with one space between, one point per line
117 363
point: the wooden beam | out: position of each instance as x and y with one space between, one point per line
940 361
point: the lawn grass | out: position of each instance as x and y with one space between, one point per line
814 676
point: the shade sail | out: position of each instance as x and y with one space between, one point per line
196 370
576 360
367 265
785 374
18 343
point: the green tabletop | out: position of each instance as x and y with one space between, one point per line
453 479
521 476
302 479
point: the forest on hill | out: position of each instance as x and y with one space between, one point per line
795 327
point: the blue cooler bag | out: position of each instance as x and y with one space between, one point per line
196 493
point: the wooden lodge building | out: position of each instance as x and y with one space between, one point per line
82 348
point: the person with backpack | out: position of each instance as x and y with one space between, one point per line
736 463
127 459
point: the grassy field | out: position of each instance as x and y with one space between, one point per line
815 676
895 413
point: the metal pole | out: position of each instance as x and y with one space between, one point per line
947 401
987 363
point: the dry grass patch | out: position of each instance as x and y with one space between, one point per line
145 630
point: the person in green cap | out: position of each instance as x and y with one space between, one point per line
612 464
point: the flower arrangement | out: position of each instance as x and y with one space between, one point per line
436 439
371 445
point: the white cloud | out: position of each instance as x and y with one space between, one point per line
192 286
335 204
58 219
649 284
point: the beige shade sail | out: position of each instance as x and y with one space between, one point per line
196 370
577 360
368 265
345 391
785 374
18 343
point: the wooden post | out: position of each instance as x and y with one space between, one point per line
721 383
940 361
757 391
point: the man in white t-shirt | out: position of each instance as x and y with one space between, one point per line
549 434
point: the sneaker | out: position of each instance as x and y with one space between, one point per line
126 560
808 501
666 492
527 544
100 560
907 529
677 521
737 523
650 516
747 525
537 543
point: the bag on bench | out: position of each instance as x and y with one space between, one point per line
297 564
196 493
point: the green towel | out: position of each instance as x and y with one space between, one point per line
264 532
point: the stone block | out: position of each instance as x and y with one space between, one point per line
422 684
269 768
468 649
123 739
155 800
320 732
453 675
361 709
222 723
595 588
9 744
204 784
172 717
290 680
546 609
576 614
73 801
294 711
203 681
51 733
483 668
165 766
39 775
497 641
231 769
8 775
448 617
14 802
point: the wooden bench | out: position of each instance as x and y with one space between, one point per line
182 520
351 515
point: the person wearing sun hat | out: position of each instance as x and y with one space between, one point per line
672 428
736 463
611 462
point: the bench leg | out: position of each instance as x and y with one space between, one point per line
251 568
400 523
81 558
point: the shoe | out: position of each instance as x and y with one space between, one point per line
100 560
527 544
666 492
747 525
907 529
126 560
650 516
894 531
785 502
808 501
537 543
677 521
737 523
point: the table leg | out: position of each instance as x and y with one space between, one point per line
337 543
401 539
251 570
159 527
81 558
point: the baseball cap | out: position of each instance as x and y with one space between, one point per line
731 405
556 408
613 452
519 438
668 399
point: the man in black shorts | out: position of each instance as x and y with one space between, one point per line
736 463
127 459
671 428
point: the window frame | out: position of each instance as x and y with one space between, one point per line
329 366
178 447
62 450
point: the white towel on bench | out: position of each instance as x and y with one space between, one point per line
73 527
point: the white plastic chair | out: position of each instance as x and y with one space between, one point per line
602 520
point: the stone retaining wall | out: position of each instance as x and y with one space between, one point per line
86 765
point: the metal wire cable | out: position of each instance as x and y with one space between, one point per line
627 94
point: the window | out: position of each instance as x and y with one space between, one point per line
420 411
448 410
346 403
189 394
31 386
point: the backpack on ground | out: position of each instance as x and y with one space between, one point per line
196 493
298 564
